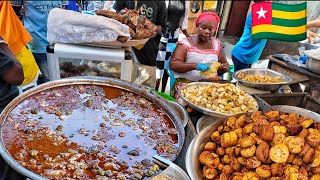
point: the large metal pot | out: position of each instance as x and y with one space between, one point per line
195 148
313 64
110 82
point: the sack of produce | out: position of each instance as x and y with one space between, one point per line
66 26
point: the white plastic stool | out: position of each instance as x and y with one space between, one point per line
32 84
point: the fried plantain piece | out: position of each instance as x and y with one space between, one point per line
264 171
279 153
262 152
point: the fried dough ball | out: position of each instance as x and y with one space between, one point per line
248 152
250 176
294 144
290 158
253 162
275 123
230 150
223 177
220 166
216 137
236 176
294 129
279 153
209 173
220 151
263 171
297 160
248 128
291 171
256 115
315 177
247 141
241 121
262 152
210 146
277 169
235 165
316 161
309 155
227 170
239 132
226 159
257 138
303 173
229 139
272 115
306 123
280 129
314 137
242 160
316 170
279 138
208 158
231 122
266 132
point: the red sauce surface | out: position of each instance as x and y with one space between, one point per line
89 132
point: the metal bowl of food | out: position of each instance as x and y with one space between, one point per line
196 169
226 97
84 128
313 63
109 69
261 78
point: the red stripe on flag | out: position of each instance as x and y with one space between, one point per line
262 13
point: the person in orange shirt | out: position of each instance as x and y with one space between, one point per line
17 37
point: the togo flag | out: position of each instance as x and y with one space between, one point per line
283 22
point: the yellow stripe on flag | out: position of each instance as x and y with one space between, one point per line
288 15
278 29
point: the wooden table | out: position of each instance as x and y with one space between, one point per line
299 75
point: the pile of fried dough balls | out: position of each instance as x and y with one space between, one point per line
225 98
270 145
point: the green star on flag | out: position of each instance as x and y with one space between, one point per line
283 22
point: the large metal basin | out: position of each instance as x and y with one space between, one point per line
313 64
193 165
110 82
262 72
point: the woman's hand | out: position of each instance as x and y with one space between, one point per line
223 68
202 67
312 36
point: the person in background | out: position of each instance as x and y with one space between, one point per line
246 51
99 5
310 34
17 37
72 5
194 54
177 18
155 11
35 17
11 76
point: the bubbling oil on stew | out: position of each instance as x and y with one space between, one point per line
89 132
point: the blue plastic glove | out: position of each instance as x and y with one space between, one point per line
202 67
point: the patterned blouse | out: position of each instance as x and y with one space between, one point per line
196 55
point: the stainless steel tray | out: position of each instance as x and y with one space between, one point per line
205 110
262 72
301 111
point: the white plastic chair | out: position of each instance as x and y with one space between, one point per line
32 84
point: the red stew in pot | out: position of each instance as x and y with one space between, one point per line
89 132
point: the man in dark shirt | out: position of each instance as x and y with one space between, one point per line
155 11
11 75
